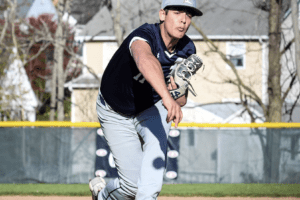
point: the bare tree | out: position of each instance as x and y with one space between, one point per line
117 20
295 14
60 41
17 38
29 40
63 42
272 110
129 16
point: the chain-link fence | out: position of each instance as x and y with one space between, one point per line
196 155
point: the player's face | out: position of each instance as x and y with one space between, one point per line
176 22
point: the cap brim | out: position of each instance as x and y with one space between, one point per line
194 11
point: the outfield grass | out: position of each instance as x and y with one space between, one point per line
218 190
221 190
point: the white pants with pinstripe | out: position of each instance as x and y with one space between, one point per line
138 146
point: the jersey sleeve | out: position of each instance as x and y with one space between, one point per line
144 33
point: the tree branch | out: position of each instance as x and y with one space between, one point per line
239 83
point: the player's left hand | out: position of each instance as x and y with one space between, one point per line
172 85
182 72
181 101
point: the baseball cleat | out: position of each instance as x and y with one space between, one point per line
96 185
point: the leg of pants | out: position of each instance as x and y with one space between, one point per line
138 146
126 149
153 128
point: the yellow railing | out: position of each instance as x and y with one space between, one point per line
183 124
49 124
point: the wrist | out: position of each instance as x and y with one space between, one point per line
166 96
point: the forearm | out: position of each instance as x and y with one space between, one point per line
150 68
152 72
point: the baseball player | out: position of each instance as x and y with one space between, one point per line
142 91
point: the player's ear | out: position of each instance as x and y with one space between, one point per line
162 15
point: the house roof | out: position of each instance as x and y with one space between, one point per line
85 80
84 10
218 113
232 17
100 24
233 113
223 110
22 7
41 7
34 8
220 18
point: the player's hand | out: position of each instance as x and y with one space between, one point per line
174 110
172 85
181 101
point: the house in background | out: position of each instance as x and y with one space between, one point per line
18 100
242 36
23 101
86 85
40 7
219 113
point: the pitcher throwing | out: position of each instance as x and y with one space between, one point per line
142 91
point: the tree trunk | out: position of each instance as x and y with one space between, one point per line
274 85
117 23
59 59
271 162
53 91
295 15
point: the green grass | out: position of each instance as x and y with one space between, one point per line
221 190
217 190
45 189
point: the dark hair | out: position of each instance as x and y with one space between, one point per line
178 8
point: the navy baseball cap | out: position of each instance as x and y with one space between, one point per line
184 3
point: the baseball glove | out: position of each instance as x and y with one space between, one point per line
182 72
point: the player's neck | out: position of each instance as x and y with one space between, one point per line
169 41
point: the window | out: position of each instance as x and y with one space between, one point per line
236 54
